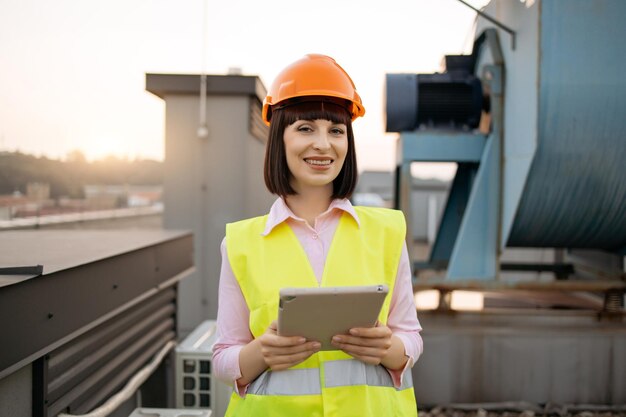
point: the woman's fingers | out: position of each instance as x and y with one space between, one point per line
271 338
283 361
369 355
377 351
369 345
381 342
290 350
282 352
372 332
281 341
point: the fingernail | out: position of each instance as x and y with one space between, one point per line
316 345
301 340
337 339
354 331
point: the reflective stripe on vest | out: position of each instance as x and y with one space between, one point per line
287 382
336 374
353 372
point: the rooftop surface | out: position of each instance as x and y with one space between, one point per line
57 250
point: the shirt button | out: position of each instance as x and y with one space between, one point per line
315 236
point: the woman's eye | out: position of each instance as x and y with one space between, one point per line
304 128
337 131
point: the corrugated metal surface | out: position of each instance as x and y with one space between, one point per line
575 193
562 357
83 373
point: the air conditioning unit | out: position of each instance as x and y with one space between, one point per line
196 386
169 412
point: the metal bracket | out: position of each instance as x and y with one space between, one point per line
22 270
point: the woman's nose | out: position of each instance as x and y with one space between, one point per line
322 141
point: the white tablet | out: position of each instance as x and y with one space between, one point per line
319 313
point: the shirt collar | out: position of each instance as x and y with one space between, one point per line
280 212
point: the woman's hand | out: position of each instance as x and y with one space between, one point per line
282 352
369 345
373 345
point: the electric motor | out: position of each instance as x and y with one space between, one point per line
450 100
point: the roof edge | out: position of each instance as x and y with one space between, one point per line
189 84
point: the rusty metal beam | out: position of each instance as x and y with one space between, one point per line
569 285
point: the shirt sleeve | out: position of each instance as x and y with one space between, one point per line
233 331
402 318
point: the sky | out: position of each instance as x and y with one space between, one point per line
72 72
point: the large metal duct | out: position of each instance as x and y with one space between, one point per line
561 173
575 192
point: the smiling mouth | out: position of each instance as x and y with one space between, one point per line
319 162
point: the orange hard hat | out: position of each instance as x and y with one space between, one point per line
313 75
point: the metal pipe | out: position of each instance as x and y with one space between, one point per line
203 130
494 21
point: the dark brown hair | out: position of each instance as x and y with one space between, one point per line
276 171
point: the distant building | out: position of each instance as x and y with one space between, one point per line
37 191
377 182
113 196
37 198
428 199
37 201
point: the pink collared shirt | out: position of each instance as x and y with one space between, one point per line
233 331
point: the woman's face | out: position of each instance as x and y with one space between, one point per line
315 151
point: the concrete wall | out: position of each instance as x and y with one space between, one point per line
208 183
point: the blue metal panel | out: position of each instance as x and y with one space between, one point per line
521 99
475 252
452 215
441 147
575 194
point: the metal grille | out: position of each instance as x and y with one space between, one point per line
196 386
83 373
196 382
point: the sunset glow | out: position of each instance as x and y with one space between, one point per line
62 92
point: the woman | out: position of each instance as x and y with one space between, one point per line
310 163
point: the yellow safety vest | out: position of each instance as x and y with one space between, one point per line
329 383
